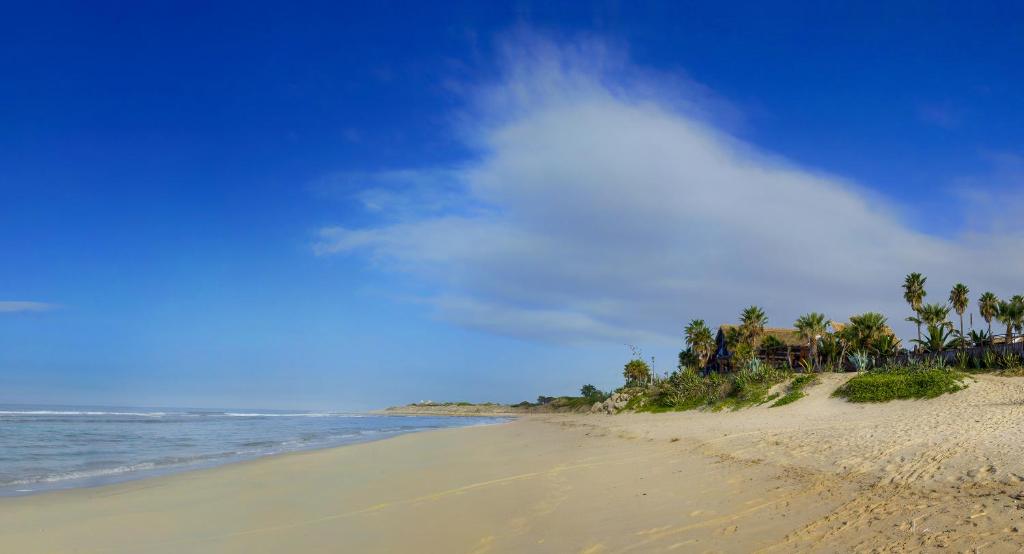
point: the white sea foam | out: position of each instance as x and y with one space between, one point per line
81 413
245 414
48 447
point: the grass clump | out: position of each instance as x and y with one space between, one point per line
796 390
900 383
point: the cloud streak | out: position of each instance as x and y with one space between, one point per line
604 206
20 306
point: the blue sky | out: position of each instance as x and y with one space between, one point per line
348 206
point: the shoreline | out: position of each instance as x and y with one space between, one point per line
491 482
115 477
820 474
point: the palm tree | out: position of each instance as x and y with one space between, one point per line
811 327
914 293
865 329
700 340
937 339
958 298
980 338
752 322
1018 300
886 346
935 314
1010 314
988 305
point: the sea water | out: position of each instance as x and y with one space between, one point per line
50 447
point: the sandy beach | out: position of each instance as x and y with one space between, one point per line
818 475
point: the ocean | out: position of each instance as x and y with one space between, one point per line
53 447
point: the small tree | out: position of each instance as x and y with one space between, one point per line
591 392
637 373
988 306
811 328
752 323
700 340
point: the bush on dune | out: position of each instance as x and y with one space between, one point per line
900 383
796 390
687 390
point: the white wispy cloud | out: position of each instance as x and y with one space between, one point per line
606 204
14 306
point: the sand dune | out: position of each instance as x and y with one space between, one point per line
817 475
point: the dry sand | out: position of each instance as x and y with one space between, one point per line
817 475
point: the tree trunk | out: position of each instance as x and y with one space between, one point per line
961 331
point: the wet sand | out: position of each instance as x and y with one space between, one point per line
817 475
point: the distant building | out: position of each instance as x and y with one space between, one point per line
777 346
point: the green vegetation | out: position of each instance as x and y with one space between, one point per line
687 390
429 403
796 390
901 382
959 299
637 373
811 327
700 341
988 306
752 357
914 293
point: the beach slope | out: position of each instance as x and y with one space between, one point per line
817 475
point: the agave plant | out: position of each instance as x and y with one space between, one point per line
963 359
1009 360
860 360
989 360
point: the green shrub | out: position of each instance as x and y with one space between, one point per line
900 383
686 389
1009 360
592 393
796 390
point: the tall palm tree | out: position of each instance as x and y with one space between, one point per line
752 322
988 306
1018 300
1010 314
958 298
914 293
811 327
700 340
